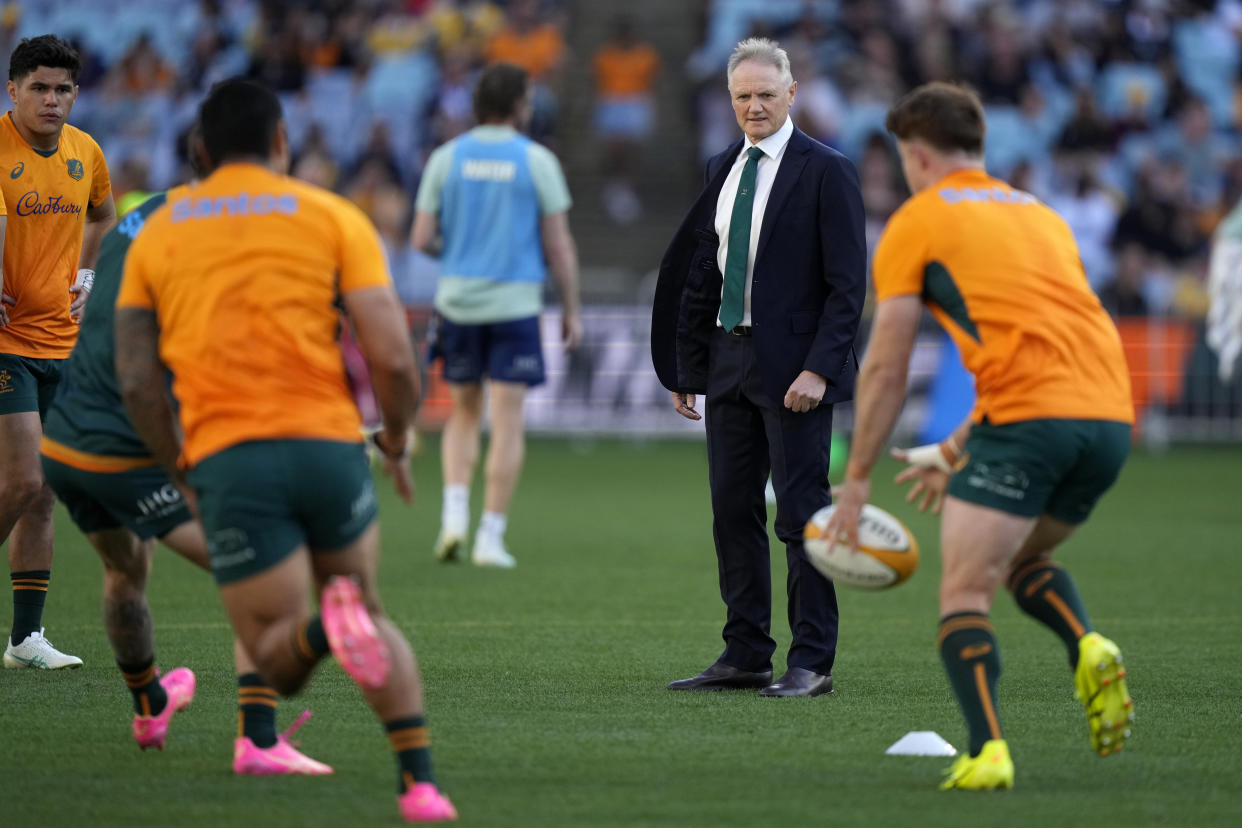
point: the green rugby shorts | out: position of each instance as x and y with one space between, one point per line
262 500
1035 467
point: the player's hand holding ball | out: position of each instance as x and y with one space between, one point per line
859 544
883 552
848 501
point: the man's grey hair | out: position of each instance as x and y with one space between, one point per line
760 50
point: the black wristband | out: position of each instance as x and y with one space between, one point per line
399 455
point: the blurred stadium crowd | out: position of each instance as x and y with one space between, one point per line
1123 115
369 87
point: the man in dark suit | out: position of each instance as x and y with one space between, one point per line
757 307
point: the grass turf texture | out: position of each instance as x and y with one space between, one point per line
545 684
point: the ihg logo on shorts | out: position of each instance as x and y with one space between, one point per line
159 502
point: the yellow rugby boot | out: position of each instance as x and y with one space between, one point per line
992 769
1100 684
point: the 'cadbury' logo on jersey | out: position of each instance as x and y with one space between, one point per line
242 204
31 205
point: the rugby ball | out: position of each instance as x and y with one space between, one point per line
887 552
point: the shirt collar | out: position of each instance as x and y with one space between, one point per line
493 130
774 144
965 174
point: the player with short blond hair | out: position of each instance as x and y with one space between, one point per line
1049 432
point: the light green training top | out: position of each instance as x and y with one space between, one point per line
492 268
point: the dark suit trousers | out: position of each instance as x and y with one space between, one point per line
748 435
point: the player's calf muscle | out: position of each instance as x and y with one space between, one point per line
127 621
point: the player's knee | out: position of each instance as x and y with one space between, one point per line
371 600
22 488
506 419
1025 561
126 559
469 404
44 501
967 583
283 683
126 577
126 563
963 590
469 415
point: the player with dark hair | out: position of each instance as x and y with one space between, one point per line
234 285
55 183
1049 432
47 51
500 204
122 500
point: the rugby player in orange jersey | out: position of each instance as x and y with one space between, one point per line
122 500
1049 432
235 286
56 186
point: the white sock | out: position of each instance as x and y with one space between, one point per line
455 514
493 525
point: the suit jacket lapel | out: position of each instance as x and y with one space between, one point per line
786 177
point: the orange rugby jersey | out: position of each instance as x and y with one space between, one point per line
46 197
630 71
536 51
243 272
1001 273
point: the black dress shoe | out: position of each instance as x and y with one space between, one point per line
799 682
723 677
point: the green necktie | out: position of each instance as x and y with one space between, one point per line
739 244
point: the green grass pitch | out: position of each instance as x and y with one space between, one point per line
545 685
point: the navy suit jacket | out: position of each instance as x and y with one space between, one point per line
810 277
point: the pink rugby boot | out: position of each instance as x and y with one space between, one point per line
281 759
352 636
423 802
150 731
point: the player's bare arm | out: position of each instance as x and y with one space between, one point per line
100 218
5 299
425 235
379 324
562 256
140 375
881 394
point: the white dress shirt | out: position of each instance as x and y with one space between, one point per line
773 150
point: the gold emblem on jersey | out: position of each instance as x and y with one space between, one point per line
75 169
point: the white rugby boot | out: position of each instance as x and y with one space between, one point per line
490 551
36 652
